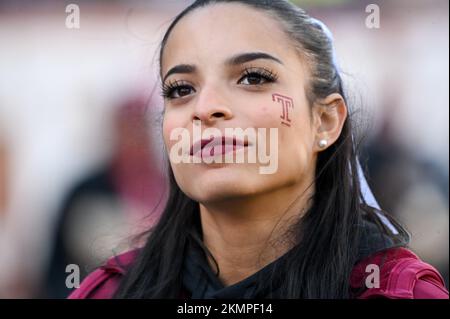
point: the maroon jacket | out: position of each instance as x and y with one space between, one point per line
402 276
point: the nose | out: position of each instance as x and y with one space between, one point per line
211 106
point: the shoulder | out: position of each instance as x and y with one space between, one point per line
103 282
397 273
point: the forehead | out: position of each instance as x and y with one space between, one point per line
215 32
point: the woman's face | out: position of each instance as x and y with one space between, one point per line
213 78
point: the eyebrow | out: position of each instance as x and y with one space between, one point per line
251 56
233 61
180 69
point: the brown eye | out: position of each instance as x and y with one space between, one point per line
257 77
254 79
183 91
176 90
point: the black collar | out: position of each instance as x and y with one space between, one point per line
201 282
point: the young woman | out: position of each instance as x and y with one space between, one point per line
299 229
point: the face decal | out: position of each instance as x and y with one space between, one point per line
286 103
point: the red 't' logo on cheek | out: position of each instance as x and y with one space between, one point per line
286 104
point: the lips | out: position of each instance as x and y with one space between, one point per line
216 146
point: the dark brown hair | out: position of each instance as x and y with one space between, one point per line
329 233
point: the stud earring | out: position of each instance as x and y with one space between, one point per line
323 143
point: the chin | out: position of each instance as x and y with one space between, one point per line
220 184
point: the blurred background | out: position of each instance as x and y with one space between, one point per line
81 166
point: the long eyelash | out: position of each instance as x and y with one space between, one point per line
167 89
267 74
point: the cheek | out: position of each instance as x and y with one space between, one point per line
292 116
299 136
166 129
286 108
170 123
265 114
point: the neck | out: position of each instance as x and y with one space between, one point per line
244 234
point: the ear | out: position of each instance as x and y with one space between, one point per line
329 117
